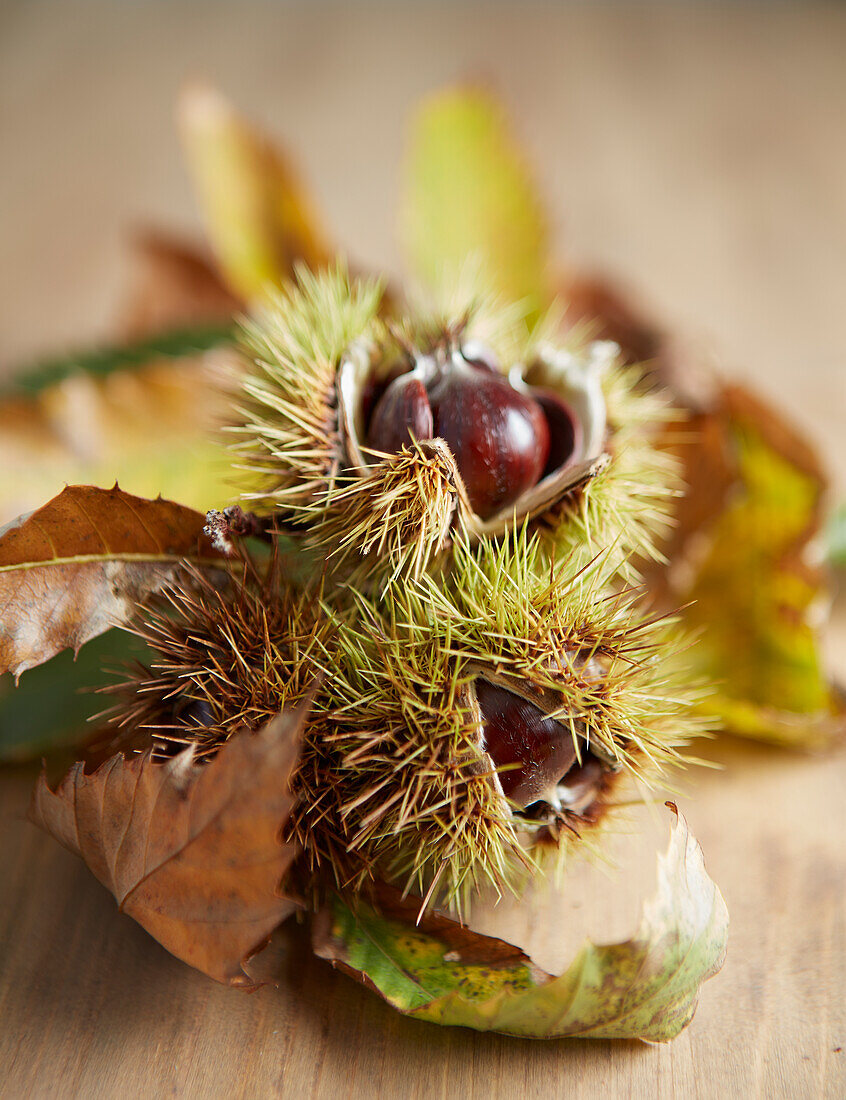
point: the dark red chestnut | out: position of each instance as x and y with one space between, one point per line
402 412
498 435
532 752
504 439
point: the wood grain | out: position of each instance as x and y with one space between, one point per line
92 1007
696 152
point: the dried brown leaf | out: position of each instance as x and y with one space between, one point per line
192 852
82 563
610 314
174 285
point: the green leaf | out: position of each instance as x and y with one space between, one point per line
100 362
52 705
440 971
260 220
469 197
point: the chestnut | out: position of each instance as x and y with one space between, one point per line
532 752
498 435
401 414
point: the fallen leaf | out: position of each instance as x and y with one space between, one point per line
468 193
740 557
644 988
191 851
82 564
259 218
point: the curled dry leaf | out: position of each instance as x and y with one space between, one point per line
192 852
82 563
643 988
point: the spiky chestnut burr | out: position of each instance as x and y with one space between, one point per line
459 719
287 433
401 514
624 512
319 356
469 715
318 359
226 655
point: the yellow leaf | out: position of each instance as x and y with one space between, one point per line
259 219
468 197
743 564
151 428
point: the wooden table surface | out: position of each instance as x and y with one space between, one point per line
695 152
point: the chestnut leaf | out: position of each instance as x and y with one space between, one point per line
191 851
260 220
740 549
82 564
644 988
439 970
468 193
753 589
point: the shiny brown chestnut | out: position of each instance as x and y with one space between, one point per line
402 413
498 435
535 755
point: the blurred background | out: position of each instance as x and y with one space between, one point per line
694 153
